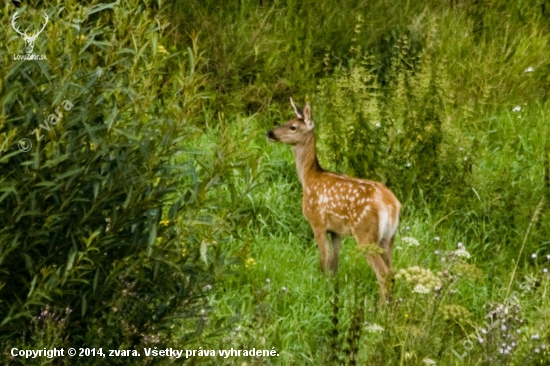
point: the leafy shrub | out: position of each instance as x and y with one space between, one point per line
393 131
107 217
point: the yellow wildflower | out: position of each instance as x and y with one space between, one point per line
161 49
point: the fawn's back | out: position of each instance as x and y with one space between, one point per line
349 206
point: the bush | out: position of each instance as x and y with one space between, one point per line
106 221
392 131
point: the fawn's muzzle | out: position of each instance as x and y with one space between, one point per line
271 136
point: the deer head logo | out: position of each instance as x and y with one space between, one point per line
29 40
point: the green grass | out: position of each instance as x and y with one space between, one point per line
277 251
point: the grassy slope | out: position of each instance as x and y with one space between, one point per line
483 52
285 302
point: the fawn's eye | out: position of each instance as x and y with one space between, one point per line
293 128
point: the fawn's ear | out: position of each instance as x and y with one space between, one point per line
297 110
307 116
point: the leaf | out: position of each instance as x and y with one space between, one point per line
128 135
100 7
70 261
72 172
33 283
203 249
152 237
84 305
156 269
7 191
96 279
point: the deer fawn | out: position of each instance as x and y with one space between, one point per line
341 205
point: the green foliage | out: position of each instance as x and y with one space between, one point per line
392 132
108 215
420 95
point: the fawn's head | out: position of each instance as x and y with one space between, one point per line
296 130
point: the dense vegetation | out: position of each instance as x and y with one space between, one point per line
155 214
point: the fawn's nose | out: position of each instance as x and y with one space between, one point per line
270 135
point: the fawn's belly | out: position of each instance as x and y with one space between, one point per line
334 220
338 224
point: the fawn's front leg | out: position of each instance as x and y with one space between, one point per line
322 243
336 241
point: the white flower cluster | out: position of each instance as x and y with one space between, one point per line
374 328
461 251
410 240
422 278
421 289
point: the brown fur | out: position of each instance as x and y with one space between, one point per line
341 205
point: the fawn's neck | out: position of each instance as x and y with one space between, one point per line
305 154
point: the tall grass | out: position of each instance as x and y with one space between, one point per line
444 102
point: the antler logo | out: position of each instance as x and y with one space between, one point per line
29 40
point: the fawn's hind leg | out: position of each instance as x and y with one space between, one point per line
375 261
388 247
